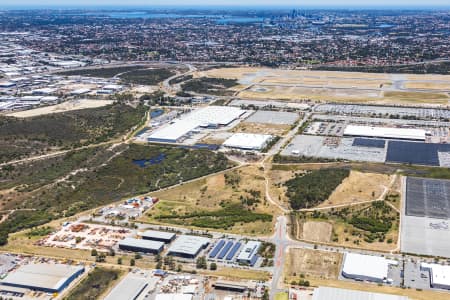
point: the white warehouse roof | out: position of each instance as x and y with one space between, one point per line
146 244
188 244
247 141
211 115
173 297
439 275
249 250
366 266
42 276
129 288
328 293
385 132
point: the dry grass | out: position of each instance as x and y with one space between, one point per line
233 274
358 187
209 193
317 231
428 85
312 263
63 107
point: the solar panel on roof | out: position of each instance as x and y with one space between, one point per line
253 260
371 143
233 251
415 153
225 250
216 249
428 198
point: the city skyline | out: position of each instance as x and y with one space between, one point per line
307 3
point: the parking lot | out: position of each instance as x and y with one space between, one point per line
383 111
273 117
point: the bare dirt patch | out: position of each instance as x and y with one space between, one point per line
312 263
62 107
317 231
272 129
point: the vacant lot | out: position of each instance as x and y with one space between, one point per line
233 201
317 231
22 137
95 285
371 226
358 187
312 263
206 85
272 129
63 107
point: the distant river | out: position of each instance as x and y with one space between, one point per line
220 19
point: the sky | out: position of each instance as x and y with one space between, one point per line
184 3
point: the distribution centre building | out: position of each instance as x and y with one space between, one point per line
385 132
131 287
439 275
141 245
248 141
159 236
208 117
329 293
188 246
48 278
366 267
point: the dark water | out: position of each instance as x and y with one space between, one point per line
151 161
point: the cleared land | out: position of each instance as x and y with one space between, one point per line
62 107
272 129
233 202
265 83
312 264
317 231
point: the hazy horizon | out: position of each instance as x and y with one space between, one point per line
229 3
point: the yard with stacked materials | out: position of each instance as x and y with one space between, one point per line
93 177
22 137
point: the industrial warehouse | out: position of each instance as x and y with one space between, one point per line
188 246
439 275
141 245
159 236
426 213
208 117
132 286
367 267
49 278
247 141
385 132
